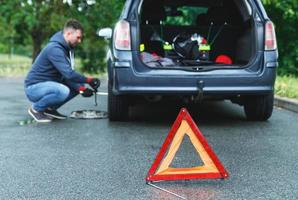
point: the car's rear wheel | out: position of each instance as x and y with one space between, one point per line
259 108
118 106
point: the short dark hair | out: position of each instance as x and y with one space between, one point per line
73 24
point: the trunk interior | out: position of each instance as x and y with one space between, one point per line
192 33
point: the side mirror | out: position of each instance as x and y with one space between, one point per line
105 33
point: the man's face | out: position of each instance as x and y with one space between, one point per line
73 37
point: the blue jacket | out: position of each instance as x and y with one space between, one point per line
53 64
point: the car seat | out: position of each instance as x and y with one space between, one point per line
152 16
222 37
202 20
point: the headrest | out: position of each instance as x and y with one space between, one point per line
153 12
218 15
202 20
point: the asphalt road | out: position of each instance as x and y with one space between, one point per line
96 159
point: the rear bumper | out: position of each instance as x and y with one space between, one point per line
133 77
127 81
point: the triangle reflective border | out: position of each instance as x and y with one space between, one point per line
184 125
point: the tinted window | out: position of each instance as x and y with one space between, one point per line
184 16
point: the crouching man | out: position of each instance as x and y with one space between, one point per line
52 81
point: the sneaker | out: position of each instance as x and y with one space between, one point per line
39 116
55 114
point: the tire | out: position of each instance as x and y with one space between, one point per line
259 108
118 106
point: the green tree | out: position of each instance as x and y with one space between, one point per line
285 16
93 16
34 19
37 20
3 43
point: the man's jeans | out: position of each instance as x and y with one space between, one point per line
49 94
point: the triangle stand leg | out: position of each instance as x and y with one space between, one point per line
162 189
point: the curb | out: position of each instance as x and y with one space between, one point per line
286 103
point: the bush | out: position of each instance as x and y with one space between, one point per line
285 16
287 86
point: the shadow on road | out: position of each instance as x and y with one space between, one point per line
207 112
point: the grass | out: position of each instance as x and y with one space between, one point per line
15 65
286 86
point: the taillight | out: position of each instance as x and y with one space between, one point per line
122 36
270 38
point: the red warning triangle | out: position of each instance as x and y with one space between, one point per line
184 125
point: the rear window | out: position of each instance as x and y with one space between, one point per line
184 15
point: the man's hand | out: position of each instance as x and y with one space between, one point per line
94 83
86 92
